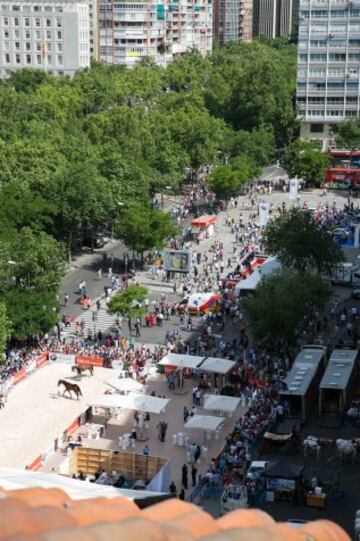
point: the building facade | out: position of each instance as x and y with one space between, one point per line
160 30
232 20
328 66
94 28
44 34
274 18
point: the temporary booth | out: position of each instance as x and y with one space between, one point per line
282 480
173 361
259 268
218 365
303 381
131 401
337 382
216 402
203 227
125 385
208 423
201 303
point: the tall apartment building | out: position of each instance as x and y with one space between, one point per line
94 28
232 20
328 65
45 34
160 30
274 18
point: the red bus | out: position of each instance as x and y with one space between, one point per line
345 166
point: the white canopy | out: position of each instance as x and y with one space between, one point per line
14 479
205 422
270 265
131 401
221 403
218 365
125 384
181 361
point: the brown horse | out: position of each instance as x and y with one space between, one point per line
81 368
70 387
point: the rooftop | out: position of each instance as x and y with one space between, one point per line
38 514
339 369
302 373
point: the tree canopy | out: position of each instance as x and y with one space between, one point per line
300 244
303 159
348 134
281 302
229 180
129 303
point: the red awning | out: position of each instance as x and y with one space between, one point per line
204 221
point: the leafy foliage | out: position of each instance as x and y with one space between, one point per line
281 302
304 160
228 180
300 244
129 302
348 134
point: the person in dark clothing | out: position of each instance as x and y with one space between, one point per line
172 488
193 475
184 476
182 494
197 453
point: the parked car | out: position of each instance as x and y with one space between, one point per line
255 469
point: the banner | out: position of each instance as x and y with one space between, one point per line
293 189
94 361
62 358
263 214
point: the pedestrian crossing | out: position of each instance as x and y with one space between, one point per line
103 321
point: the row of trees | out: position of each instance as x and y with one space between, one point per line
284 300
89 153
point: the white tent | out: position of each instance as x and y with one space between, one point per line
181 361
205 422
217 365
218 402
270 265
15 479
131 401
125 384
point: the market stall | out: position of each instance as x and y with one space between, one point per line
217 365
282 480
203 227
207 423
177 361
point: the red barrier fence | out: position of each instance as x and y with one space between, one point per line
42 358
19 376
94 361
35 465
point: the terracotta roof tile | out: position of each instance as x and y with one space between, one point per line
50 515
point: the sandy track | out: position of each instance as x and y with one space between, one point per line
35 415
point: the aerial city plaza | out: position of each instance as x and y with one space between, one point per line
179 270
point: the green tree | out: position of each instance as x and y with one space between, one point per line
143 228
30 311
229 180
299 244
280 304
304 160
348 134
129 303
5 327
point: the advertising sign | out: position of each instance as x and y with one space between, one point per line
294 188
177 261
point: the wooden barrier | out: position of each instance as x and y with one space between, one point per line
94 361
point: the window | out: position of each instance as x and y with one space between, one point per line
7 58
316 128
59 47
49 59
27 21
28 46
16 34
48 34
37 8
38 59
59 35
38 45
28 58
27 34
60 59
17 45
59 23
48 45
15 8
16 21
7 45
37 34
6 34
17 59
48 22
37 21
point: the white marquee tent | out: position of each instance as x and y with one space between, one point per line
181 361
131 401
125 385
217 365
218 402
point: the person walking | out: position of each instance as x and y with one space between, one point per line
172 489
193 475
66 300
182 494
184 476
